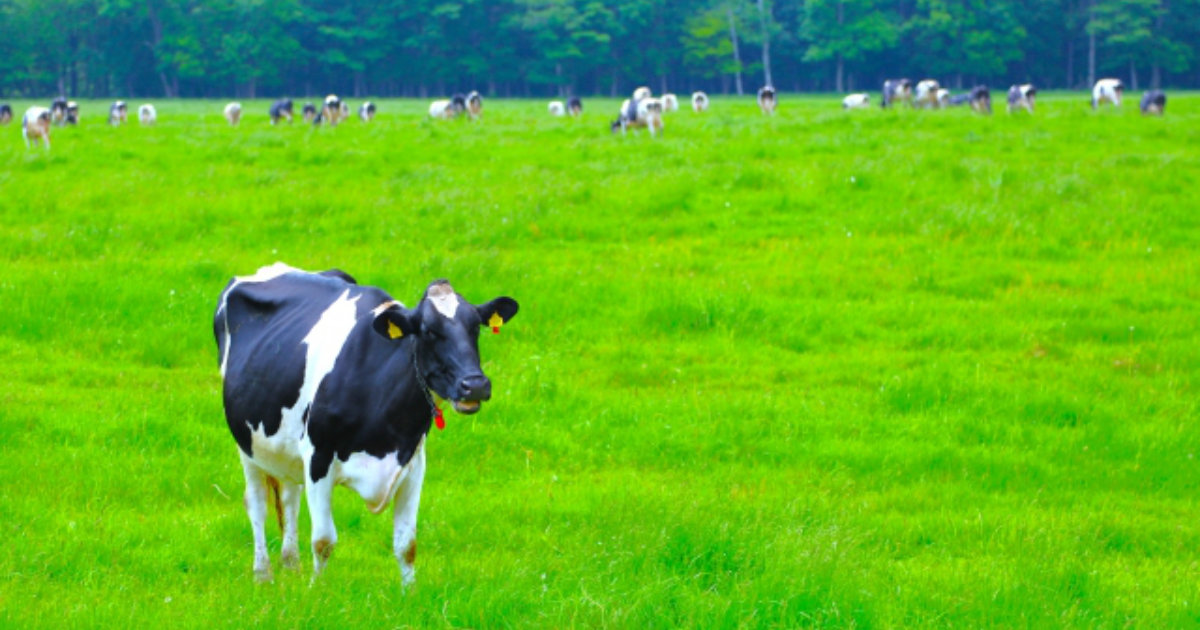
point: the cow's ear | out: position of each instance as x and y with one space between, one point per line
396 322
496 313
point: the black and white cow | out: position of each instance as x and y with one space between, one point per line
862 100
979 98
448 108
474 102
147 114
331 110
35 126
574 106
556 108
6 114
1022 97
309 111
1107 91
699 102
1154 102
766 99
327 382
635 114
926 96
72 117
896 91
233 113
118 113
280 110
366 111
58 111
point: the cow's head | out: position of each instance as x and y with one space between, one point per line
446 329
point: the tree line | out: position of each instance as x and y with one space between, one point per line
422 48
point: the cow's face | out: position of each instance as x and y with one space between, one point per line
446 328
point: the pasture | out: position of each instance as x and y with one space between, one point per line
854 370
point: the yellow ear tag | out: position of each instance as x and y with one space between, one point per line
495 321
394 331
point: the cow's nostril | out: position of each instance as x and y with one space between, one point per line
476 387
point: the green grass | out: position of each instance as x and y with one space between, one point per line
870 370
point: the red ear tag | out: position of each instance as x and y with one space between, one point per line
438 419
495 330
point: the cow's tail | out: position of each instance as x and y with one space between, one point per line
274 484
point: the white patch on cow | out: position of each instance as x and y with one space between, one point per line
375 479
444 299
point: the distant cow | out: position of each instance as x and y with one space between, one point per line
896 91
233 113
58 111
766 99
943 98
327 382
574 106
118 112
979 98
280 110
309 112
6 114
637 114
1107 91
642 93
72 116
366 111
35 126
861 100
926 96
1154 102
331 111
474 104
699 102
448 109
670 103
1022 96
147 115
556 108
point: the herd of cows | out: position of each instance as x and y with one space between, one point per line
642 110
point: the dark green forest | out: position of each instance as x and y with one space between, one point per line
513 48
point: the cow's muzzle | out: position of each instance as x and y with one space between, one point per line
473 390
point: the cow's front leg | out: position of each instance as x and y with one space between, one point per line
256 508
320 509
290 497
404 533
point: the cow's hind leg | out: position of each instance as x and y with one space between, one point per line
408 499
256 498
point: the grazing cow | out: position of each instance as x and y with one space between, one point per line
331 110
327 382
766 99
636 114
448 108
926 96
6 114
147 115
58 111
343 111
943 98
309 112
861 100
642 93
118 112
556 108
979 98
670 103
1154 102
233 113
1022 96
35 126
366 111
896 91
474 102
574 106
280 110
699 102
1107 91
72 117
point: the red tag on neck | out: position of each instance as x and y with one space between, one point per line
495 330
438 419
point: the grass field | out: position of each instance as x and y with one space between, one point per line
879 370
